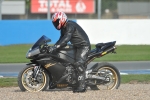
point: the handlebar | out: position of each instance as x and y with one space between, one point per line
44 48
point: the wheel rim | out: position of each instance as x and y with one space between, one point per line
31 85
112 76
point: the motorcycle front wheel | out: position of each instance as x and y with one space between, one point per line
26 82
111 74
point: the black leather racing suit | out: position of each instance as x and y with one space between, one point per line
76 35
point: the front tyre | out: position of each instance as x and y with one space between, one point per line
27 83
111 74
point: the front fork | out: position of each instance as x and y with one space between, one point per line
36 71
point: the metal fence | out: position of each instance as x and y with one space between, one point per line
102 9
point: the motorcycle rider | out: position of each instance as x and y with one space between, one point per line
71 31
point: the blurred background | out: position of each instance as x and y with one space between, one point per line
75 9
125 21
23 22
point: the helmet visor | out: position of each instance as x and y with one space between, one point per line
56 23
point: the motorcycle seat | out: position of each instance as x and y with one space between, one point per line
101 47
105 45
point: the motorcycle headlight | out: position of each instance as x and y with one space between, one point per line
28 55
32 53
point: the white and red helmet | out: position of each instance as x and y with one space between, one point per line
59 19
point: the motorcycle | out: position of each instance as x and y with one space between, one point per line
56 70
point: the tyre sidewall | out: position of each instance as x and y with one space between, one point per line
20 84
97 66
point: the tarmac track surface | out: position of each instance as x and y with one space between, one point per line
129 67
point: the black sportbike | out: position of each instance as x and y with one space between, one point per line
56 70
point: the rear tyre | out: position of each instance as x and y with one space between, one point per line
27 83
110 72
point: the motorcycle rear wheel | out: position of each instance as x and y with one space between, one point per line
113 77
26 82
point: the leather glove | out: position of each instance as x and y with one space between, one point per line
44 49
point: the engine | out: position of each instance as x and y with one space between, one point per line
71 75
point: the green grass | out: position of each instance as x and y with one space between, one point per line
17 53
141 78
8 82
14 53
128 53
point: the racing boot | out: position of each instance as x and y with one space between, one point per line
81 83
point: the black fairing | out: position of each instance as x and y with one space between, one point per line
57 69
56 62
54 67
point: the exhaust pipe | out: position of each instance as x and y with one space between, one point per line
108 51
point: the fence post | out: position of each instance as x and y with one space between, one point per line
1 9
99 9
48 10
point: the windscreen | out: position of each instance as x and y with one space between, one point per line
41 41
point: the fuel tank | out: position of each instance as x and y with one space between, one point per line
67 54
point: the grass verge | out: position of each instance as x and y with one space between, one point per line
132 79
135 78
8 82
17 53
